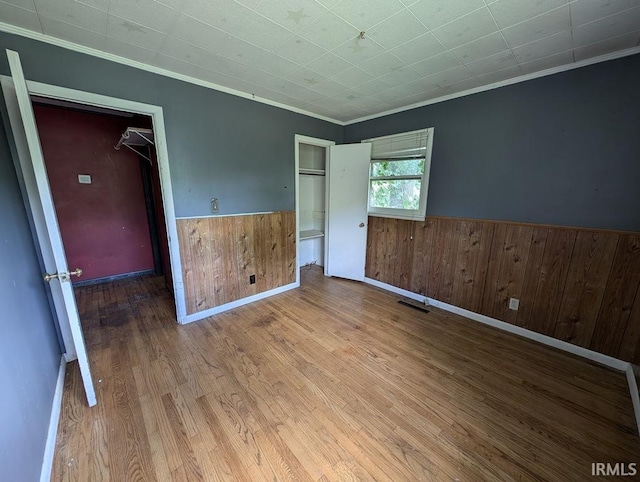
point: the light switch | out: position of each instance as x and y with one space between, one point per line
214 205
84 178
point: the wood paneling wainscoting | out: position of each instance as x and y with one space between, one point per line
577 285
219 253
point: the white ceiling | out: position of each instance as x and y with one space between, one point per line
307 53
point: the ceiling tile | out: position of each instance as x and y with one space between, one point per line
390 95
26 4
65 31
499 75
329 64
246 53
175 4
451 76
352 77
612 26
145 12
20 17
437 63
420 86
495 62
396 30
466 29
460 86
539 27
99 4
176 65
483 47
74 13
306 77
382 64
621 42
134 33
358 50
543 48
299 50
563 58
364 15
418 49
329 31
366 103
401 76
126 50
178 49
197 33
510 12
294 15
372 87
239 21
435 13
583 11
327 87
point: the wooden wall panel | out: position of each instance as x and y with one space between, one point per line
422 249
507 265
577 285
472 260
588 272
220 253
544 284
619 297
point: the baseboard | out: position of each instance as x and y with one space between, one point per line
635 396
235 304
50 447
606 360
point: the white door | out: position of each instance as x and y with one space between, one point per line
347 177
33 170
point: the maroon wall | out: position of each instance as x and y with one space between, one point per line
104 224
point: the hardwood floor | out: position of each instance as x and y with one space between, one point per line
333 381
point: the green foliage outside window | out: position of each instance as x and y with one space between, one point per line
403 193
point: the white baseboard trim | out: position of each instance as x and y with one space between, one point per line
56 406
635 396
235 304
395 289
606 360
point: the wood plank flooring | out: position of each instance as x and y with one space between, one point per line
333 381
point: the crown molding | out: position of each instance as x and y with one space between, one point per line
22 32
503 83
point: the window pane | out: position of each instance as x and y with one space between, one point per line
408 167
404 194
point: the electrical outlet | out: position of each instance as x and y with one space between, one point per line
514 304
252 279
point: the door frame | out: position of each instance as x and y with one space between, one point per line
162 155
297 140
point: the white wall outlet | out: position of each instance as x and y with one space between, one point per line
84 178
514 304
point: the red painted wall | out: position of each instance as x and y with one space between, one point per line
104 224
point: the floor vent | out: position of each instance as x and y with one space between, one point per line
416 305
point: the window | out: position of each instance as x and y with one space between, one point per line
399 174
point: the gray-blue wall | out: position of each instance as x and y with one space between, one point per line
28 340
562 149
223 146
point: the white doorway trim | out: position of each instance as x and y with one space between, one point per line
300 139
156 113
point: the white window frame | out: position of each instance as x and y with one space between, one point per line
419 214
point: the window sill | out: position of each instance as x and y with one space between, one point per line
408 217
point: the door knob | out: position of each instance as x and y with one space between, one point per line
76 272
361 225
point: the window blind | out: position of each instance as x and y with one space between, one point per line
408 145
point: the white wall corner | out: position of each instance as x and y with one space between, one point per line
633 389
56 406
